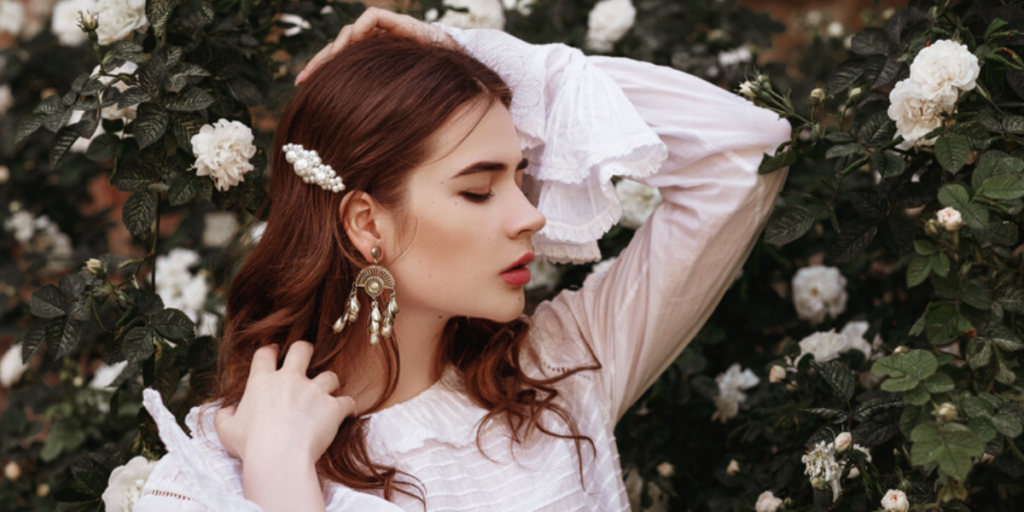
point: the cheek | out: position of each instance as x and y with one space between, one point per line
448 254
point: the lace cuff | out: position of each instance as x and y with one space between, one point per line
577 128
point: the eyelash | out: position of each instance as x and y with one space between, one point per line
478 198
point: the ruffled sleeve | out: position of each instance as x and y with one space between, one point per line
639 315
198 474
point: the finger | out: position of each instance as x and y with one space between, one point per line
264 360
298 357
327 381
347 405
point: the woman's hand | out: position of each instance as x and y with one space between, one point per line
282 412
374 21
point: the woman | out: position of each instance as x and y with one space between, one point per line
463 154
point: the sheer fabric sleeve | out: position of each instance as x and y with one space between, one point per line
639 315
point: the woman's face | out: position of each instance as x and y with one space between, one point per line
468 220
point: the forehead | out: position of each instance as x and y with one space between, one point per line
479 130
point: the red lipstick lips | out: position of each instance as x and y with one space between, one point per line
517 274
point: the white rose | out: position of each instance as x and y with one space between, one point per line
818 290
835 30
823 346
11 367
666 469
767 502
777 374
481 14
64 22
543 275
298 24
223 151
119 18
895 501
6 99
112 112
125 484
638 202
106 374
731 384
735 57
949 219
733 468
843 442
914 115
220 227
854 334
12 16
942 70
747 90
607 23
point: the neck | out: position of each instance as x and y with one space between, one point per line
417 333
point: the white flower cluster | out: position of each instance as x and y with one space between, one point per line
607 23
223 151
119 18
827 345
731 384
481 14
64 22
817 290
11 367
822 468
12 17
638 202
43 236
938 75
180 289
124 487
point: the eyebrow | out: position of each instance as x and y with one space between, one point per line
489 167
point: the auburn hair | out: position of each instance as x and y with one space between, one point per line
370 111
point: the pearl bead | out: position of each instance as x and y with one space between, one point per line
290 156
302 165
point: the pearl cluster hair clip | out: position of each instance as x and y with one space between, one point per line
307 164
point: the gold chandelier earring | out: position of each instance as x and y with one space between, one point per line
373 279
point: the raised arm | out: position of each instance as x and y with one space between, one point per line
643 312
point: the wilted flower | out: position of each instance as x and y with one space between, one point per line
125 484
777 374
11 367
817 290
895 501
822 468
119 18
223 151
730 391
607 23
843 441
733 468
767 502
481 14
949 218
638 202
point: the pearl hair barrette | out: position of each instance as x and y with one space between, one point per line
307 164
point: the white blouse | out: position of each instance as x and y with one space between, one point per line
581 119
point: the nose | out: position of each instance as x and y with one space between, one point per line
526 219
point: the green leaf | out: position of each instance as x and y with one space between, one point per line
924 247
62 334
48 302
939 263
838 376
896 384
917 395
889 165
137 345
150 124
1007 425
890 365
845 74
190 99
979 354
151 76
132 96
185 126
952 151
854 238
918 270
919 364
844 150
138 213
157 12
833 415
103 147
867 410
952 446
944 325
780 160
173 324
954 195
28 125
1002 187
871 41
33 339
62 141
975 293
939 383
183 189
877 129
994 28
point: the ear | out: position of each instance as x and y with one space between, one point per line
367 223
